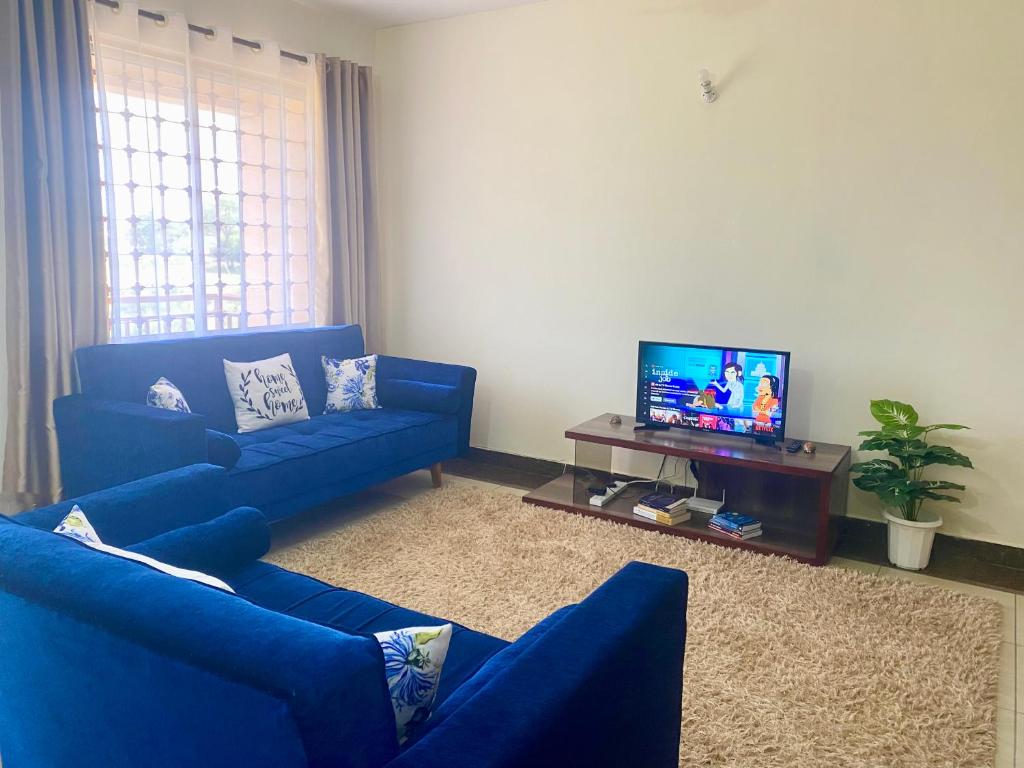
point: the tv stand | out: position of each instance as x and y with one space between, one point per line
798 497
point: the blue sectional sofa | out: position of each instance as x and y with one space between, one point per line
107 663
107 435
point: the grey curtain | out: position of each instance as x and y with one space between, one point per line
54 271
354 295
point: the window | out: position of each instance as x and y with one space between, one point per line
207 188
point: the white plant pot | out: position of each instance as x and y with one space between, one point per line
910 541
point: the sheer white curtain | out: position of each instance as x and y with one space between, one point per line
210 178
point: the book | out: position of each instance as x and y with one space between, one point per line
677 514
731 529
661 517
735 534
736 522
662 501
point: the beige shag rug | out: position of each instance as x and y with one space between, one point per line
786 665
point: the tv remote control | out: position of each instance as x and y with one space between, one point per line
794 446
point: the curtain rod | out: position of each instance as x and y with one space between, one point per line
159 17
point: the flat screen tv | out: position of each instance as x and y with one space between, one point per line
728 390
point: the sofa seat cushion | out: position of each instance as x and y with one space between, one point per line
353 612
282 462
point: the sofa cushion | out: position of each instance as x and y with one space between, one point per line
353 612
282 462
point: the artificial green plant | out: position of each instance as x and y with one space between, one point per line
900 484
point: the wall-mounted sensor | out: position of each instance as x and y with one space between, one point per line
708 92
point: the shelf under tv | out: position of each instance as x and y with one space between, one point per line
796 496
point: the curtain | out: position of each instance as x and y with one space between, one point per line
353 290
54 276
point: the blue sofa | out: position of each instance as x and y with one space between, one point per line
107 435
106 663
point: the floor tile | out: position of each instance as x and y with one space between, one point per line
1018 740
1009 681
1008 725
853 565
1007 600
467 481
1020 620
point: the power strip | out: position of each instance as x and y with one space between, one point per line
610 493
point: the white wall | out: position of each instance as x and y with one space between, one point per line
553 189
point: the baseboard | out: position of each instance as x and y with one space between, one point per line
980 562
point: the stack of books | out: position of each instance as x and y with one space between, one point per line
664 508
736 525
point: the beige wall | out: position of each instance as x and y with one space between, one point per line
855 196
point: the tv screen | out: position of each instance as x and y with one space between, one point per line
730 390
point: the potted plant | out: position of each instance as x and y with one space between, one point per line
900 484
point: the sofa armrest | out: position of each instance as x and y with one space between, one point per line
218 546
421 385
144 508
103 443
601 686
202 669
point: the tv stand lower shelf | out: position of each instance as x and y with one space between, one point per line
796 496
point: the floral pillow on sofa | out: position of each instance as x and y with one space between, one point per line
163 394
351 384
413 658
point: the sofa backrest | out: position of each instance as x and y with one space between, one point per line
125 371
597 684
106 662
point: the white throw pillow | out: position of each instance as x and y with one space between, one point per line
75 525
266 393
413 658
165 395
351 384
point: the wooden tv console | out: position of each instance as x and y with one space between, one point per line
797 496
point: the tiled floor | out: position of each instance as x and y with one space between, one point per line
1010 722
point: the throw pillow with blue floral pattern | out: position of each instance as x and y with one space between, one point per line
164 394
351 384
413 658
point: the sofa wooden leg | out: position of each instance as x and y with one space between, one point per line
435 474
